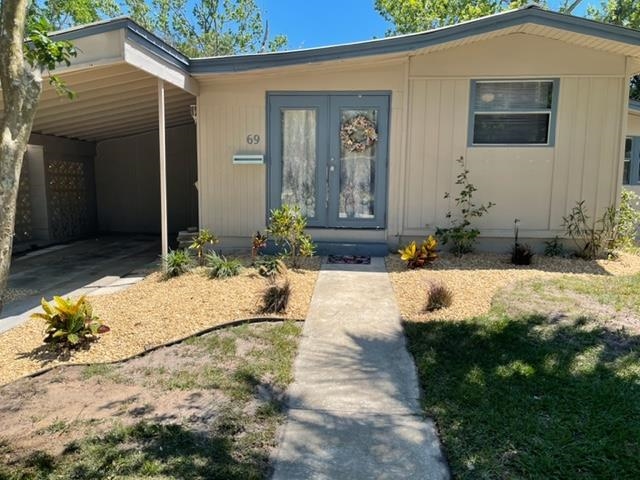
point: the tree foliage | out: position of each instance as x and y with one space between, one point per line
207 27
68 13
410 16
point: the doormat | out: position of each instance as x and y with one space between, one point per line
350 259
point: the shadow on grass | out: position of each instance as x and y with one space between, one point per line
147 450
532 397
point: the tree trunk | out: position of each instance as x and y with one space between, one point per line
21 89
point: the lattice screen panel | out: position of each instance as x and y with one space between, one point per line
23 232
68 199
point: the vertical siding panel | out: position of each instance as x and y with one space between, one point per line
415 152
445 143
430 160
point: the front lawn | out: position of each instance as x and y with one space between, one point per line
544 385
207 408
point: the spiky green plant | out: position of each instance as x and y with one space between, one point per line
221 267
177 262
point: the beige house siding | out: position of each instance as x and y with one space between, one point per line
428 131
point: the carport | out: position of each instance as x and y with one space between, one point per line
100 163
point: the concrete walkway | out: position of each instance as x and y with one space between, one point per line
87 267
353 406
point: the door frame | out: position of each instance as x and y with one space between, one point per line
323 151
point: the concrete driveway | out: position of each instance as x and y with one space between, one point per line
100 265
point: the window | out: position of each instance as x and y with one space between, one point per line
631 171
512 112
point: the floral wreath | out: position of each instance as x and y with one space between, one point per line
358 133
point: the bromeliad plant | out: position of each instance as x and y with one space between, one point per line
286 226
70 323
200 243
418 257
461 233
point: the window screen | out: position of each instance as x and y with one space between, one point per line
512 113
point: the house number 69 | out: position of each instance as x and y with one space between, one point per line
253 139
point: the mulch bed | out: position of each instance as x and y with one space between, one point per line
476 278
153 312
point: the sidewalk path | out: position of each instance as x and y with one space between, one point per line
353 406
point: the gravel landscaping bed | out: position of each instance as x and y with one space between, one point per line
475 278
153 312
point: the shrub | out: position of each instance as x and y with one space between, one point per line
419 257
258 243
461 234
269 266
177 262
592 239
438 296
276 297
221 267
627 220
286 226
554 248
200 242
69 323
521 254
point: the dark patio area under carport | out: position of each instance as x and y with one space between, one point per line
95 266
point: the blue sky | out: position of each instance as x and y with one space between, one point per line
309 23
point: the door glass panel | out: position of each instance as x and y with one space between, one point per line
299 159
358 145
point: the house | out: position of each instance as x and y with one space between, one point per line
364 137
631 171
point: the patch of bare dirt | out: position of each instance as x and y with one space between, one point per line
49 412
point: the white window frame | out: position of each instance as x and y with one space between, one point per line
552 112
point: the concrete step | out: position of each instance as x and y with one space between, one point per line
373 249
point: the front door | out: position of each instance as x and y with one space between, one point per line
328 155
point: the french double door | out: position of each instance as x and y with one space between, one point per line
328 155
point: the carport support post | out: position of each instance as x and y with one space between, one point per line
163 175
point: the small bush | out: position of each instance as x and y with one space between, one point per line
221 267
521 253
69 323
592 239
438 296
286 226
276 297
269 266
419 257
627 220
203 239
554 248
461 234
177 262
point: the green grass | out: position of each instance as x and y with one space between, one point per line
622 293
528 397
235 442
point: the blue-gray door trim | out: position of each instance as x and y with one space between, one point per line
328 105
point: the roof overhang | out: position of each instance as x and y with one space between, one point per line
530 19
121 40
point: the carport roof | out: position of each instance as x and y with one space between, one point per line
116 72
